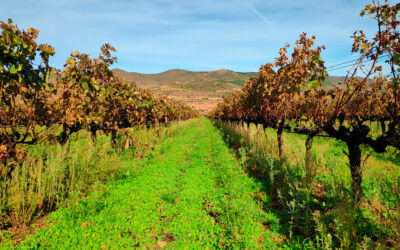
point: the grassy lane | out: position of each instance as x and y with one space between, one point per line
190 193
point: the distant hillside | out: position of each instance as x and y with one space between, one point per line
202 90
224 79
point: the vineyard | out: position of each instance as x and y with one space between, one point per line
41 104
287 95
90 160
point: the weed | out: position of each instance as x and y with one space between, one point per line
321 215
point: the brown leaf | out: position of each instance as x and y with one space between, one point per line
86 224
161 244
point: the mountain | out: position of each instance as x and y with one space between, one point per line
200 89
187 79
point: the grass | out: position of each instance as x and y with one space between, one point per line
55 176
187 192
322 215
199 185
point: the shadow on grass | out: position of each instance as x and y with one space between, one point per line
316 216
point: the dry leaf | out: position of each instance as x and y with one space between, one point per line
161 244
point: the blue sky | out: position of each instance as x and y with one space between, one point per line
156 35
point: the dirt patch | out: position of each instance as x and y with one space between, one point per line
19 233
211 211
167 238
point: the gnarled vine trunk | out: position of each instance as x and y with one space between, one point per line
93 133
383 127
356 171
63 137
280 141
114 138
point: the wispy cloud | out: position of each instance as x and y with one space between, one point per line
156 35
261 16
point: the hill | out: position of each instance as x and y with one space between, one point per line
200 89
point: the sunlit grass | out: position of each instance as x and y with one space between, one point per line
331 207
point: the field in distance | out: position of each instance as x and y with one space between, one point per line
202 90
